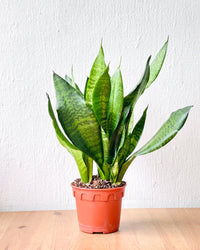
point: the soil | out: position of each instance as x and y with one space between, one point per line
96 183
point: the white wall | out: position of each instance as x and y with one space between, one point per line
37 37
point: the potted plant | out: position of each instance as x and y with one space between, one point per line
98 126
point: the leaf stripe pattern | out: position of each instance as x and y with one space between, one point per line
77 154
131 99
167 132
137 132
78 120
115 102
101 96
132 139
98 68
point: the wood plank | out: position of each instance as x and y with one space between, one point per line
140 229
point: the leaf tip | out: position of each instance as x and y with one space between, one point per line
101 47
101 41
148 60
54 75
120 62
189 107
166 44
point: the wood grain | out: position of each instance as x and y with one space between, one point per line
140 229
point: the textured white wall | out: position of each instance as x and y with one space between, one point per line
37 37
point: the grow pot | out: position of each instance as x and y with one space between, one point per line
98 210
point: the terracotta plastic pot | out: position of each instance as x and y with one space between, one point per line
98 210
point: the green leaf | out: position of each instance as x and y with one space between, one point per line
122 138
78 120
74 151
115 101
169 129
163 136
123 152
118 137
101 96
106 146
157 63
89 163
137 132
70 80
106 170
101 173
132 139
131 99
74 85
72 75
98 68
114 172
124 168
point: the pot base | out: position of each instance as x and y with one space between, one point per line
96 230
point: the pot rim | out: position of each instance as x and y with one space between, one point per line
98 189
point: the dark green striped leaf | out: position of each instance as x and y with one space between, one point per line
137 132
167 132
77 154
162 137
131 99
123 152
157 63
78 120
101 96
132 139
115 101
98 68
73 84
89 163
118 136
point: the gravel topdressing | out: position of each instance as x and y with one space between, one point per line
96 183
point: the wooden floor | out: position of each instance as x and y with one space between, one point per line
140 229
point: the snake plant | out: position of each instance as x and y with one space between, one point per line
98 124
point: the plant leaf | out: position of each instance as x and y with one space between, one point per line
89 163
98 68
124 168
131 99
72 75
157 63
114 172
78 120
74 151
115 101
167 132
117 136
137 132
123 152
132 139
101 96
69 81
106 146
